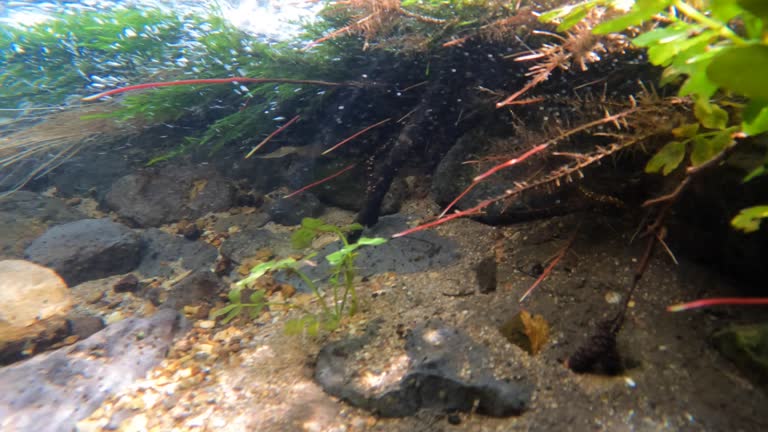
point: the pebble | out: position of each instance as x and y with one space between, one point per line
114 317
205 324
612 297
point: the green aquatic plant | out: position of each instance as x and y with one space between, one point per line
718 54
70 54
339 299
716 51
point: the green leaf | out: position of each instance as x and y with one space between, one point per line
352 227
667 159
312 325
725 10
331 323
758 8
664 53
757 172
294 327
257 297
698 84
255 311
312 223
663 35
338 257
755 117
232 312
760 170
573 18
568 13
707 147
261 269
686 131
224 310
710 115
748 219
641 11
753 26
297 326
234 296
741 70
368 241
302 238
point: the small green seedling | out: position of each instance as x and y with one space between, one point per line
342 293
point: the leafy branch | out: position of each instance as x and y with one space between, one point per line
718 50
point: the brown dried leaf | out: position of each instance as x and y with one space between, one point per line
537 330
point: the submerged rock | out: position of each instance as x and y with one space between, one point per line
52 391
163 253
33 303
25 215
152 197
199 287
290 211
87 249
439 368
452 176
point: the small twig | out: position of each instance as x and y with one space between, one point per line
408 114
660 237
722 301
560 254
525 101
672 196
353 136
270 136
413 86
319 182
642 266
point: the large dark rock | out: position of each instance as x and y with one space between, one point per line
87 249
25 215
453 176
348 191
52 391
161 250
199 287
93 171
158 196
251 240
439 368
290 211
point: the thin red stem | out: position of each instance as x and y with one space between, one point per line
549 268
474 210
461 195
319 182
492 171
718 302
270 136
511 162
205 81
357 134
